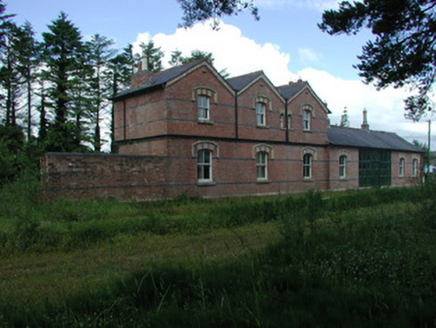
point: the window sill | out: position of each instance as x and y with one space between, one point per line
262 126
307 130
263 181
206 183
200 121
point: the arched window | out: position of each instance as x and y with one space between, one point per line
307 165
262 165
203 103
401 168
306 119
343 166
415 167
204 165
260 114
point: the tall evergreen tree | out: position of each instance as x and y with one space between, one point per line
28 58
151 56
120 70
63 56
11 80
100 53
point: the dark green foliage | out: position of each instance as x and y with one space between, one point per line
151 57
404 48
201 10
63 55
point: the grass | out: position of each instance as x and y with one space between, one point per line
356 258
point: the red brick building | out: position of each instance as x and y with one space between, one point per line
187 129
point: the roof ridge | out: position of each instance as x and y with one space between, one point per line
177 67
244 75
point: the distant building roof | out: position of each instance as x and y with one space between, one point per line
240 82
343 136
160 78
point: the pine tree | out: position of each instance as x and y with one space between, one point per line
28 63
100 53
63 55
152 57
119 72
11 80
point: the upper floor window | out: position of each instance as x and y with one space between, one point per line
203 103
289 121
262 165
260 113
282 121
306 119
307 165
204 165
401 167
415 167
342 166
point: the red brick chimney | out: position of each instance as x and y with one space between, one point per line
365 125
141 77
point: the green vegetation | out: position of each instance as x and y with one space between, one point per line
351 259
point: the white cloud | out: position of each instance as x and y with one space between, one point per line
308 56
231 50
241 55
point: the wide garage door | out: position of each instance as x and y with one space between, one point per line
374 167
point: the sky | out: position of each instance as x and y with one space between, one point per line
285 43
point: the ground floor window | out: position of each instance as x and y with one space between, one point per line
342 166
262 165
401 172
307 165
415 168
204 165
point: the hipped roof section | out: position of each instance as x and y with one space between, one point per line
351 137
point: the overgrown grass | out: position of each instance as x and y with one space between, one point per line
352 259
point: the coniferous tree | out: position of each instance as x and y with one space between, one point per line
28 58
404 49
152 57
63 57
201 10
119 72
100 53
11 80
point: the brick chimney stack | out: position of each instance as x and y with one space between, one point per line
365 125
141 76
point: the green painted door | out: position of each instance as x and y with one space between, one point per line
374 168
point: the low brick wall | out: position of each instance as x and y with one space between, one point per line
125 177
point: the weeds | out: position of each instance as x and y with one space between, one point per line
355 259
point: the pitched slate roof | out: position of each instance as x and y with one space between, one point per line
342 136
161 78
288 91
240 82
